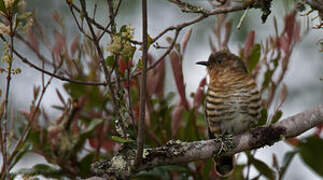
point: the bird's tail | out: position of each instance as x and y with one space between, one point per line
224 165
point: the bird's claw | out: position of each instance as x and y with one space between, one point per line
226 143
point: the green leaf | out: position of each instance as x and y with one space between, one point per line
85 164
93 124
85 134
123 29
268 75
207 168
263 168
139 64
254 57
275 62
155 173
311 153
23 16
238 172
277 116
109 61
3 6
21 152
161 172
177 168
263 118
41 169
288 157
120 139
189 128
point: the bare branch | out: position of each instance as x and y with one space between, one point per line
140 137
315 4
4 117
221 10
175 152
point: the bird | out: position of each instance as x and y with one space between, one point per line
233 102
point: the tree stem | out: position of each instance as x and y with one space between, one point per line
140 137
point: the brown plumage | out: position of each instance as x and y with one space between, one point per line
233 102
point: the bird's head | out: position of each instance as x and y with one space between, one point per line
223 62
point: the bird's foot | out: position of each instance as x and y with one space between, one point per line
226 143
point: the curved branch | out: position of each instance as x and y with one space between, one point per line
201 17
175 152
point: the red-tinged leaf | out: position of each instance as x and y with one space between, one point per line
199 95
290 21
75 45
32 39
160 70
185 39
283 95
60 97
293 141
58 19
24 113
212 46
178 75
275 26
152 81
107 145
177 115
123 65
275 162
227 34
297 30
248 44
155 79
131 83
59 46
136 111
150 58
77 106
318 130
284 44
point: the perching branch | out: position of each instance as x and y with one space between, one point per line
175 152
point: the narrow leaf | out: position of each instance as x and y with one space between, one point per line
311 153
254 57
120 139
277 116
178 75
185 39
248 44
199 94
288 157
263 168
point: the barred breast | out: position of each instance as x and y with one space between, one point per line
233 106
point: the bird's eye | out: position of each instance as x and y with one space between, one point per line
219 61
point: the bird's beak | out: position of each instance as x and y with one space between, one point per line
204 63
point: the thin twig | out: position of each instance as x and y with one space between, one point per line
27 129
242 18
4 120
140 136
129 98
222 10
103 65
